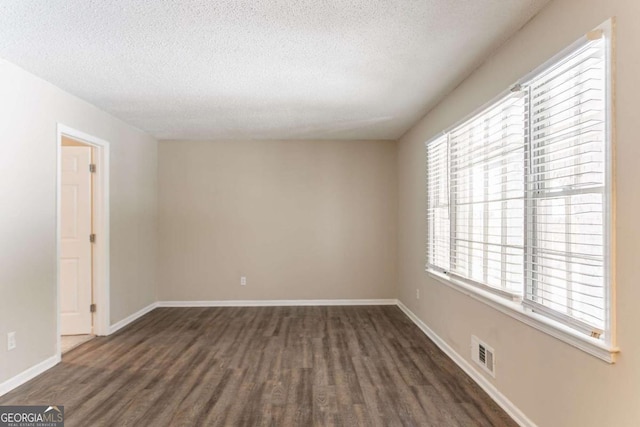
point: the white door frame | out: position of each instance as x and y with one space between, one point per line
100 195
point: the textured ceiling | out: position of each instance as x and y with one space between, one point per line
263 69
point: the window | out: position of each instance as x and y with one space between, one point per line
565 190
487 196
518 196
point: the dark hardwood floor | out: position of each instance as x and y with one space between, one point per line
263 366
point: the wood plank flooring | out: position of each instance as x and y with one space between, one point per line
263 366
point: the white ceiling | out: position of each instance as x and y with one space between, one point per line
260 69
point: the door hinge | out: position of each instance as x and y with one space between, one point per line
92 168
92 308
92 238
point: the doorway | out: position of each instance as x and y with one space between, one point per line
82 238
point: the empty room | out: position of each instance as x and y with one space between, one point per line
319 213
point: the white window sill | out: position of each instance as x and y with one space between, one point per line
593 346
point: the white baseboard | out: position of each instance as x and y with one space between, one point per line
495 394
29 374
275 303
132 318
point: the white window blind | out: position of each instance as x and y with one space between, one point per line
438 204
517 199
487 196
565 190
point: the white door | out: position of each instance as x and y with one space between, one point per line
75 231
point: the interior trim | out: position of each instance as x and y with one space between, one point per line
131 318
589 345
29 374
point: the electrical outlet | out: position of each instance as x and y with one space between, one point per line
11 340
243 280
417 293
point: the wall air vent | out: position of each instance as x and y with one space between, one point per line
483 355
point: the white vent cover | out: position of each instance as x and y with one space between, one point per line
483 355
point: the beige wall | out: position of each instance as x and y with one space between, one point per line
30 109
300 219
553 383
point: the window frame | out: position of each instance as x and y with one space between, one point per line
513 304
